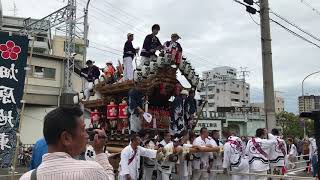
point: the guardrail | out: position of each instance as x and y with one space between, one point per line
263 175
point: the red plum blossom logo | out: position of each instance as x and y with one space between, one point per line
9 50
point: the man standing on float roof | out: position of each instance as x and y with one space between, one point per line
150 45
128 54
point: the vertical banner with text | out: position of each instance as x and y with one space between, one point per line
13 60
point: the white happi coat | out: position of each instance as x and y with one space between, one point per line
201 157
185 167
235 158
133 168
312 148
257 161
217 157
167 166
278 153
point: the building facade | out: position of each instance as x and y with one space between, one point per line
243 124
45 79
42 41
309 103
279 104
223 89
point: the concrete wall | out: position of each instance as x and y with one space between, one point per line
58 46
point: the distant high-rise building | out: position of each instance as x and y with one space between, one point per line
309 103
224 89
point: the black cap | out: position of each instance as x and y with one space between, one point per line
89 62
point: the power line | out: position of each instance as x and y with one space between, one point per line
289 30
294 33
105 50
310 6
294 25
253 19
124 12
106 46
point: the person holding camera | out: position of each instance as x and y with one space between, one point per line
66 136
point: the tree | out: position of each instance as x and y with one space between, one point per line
291 125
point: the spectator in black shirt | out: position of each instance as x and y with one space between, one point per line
90 73
150 45
128 54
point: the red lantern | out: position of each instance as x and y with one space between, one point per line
93 115
176 55
112 111
123 110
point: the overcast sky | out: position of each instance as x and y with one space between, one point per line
214 33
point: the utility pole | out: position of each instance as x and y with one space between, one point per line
86 31
268 86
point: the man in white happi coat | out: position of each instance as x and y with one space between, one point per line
166 139
201 162
234 158
215 157
130 159
185 158
168 165
258 149
277 154
149 165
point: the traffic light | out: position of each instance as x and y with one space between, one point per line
249 2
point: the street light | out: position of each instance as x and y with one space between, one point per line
304 102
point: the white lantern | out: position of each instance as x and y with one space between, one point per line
145 71
183 65
195 80
137 75
75 99
200 85
168 58
153 67
187 69
161 62
191 74
153 58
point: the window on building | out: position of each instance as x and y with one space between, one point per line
235 92
247 94
42 72
202 96
79 48
211 96
40 39
238 85
235 100
210 89
218 90
210 104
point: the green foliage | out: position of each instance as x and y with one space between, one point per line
291 125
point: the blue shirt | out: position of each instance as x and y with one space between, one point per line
39 149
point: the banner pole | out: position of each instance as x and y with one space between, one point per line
21 114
